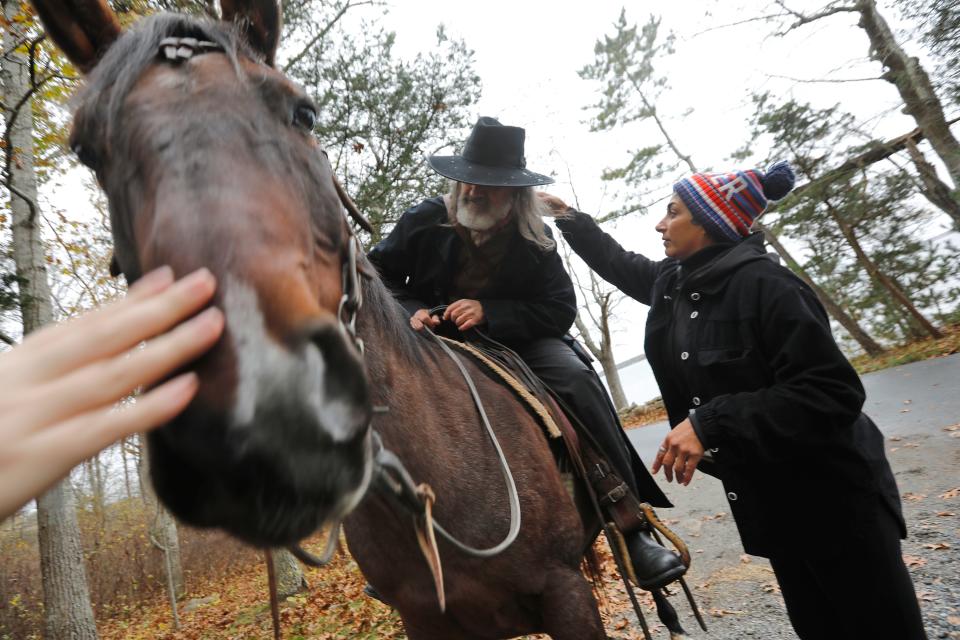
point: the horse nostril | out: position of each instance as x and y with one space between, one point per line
345 380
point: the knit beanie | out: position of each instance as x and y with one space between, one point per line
726 204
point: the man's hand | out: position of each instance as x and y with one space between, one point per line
422 318
466 314
679 454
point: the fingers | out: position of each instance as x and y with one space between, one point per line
154 306
44 458
105 382
422 318
689 469
465 314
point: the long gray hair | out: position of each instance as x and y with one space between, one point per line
528 209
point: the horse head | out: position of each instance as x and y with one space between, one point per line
205 152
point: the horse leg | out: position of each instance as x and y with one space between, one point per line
668 615
569 608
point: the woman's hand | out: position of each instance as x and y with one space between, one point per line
58 388
679 454
557 206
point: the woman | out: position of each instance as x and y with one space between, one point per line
759 395
58 388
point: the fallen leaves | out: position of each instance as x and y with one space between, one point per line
952 493
745 559
714 517
771 587
914 497
945 514
937 546
914 561
719 613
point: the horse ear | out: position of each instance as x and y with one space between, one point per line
83 29
259 22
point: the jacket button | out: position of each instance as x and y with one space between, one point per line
696 401
694 314
715 449
684 355
694 296
732 497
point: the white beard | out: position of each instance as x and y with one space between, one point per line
480 217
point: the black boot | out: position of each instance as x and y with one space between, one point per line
654 565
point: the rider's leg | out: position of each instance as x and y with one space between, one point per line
578 386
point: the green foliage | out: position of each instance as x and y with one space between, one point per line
878 205
939 27
380 114
629 88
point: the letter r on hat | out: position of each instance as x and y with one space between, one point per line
733 187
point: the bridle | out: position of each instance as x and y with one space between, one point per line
390 475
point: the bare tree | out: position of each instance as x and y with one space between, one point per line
162 529
67 610
290 578
905 72
625 65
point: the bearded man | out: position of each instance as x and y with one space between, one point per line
483 250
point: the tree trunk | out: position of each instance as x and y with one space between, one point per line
126 467
290 578
935 190
604 355
161 527
878 276
67 611
913 84
839 314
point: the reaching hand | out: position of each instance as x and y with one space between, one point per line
679 454
557 206
59 387
465 314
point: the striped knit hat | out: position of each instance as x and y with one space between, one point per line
728 203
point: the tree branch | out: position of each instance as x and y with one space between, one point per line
876 154
323 33
807 19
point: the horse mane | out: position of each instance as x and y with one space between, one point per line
381 311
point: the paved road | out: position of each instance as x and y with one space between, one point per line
913 405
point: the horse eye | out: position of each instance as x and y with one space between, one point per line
86 156
305 116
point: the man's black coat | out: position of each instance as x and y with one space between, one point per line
744 348
529 297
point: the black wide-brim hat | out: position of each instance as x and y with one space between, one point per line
492 157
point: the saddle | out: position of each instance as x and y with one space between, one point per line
572 444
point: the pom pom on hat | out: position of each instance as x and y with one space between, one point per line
778 181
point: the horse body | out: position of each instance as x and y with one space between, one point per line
533 586
207 160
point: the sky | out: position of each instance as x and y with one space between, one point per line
527 53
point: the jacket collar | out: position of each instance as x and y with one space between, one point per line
714 276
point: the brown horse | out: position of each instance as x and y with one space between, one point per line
206 155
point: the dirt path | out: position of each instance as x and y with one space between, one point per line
917 406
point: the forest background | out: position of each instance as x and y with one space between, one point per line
860 96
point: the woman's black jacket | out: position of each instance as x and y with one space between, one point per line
744 348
